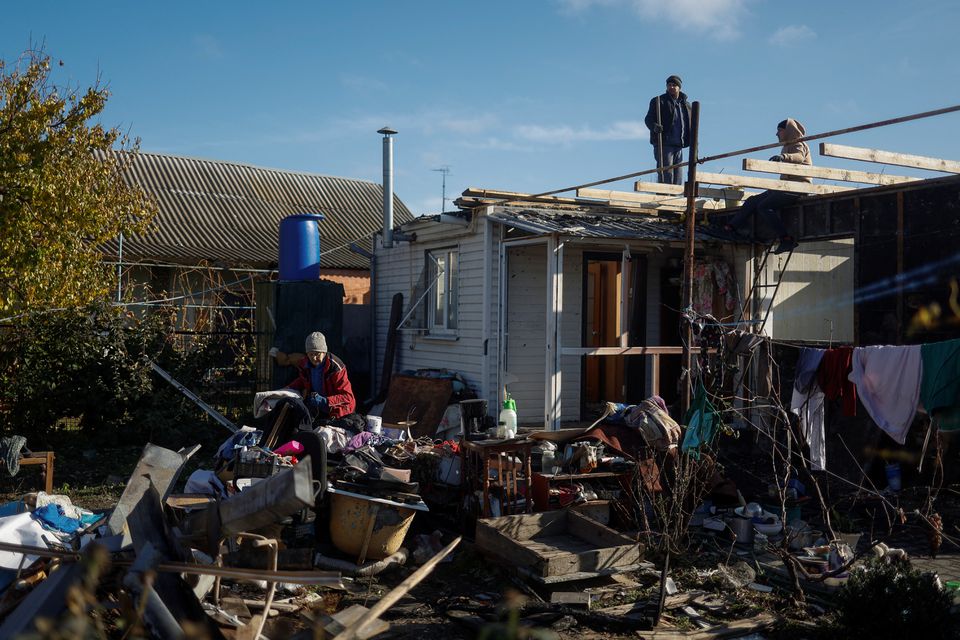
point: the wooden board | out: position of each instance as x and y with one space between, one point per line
889 157
768 183
556 546
423 399
809 171
729 193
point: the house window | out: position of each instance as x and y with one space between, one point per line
443 267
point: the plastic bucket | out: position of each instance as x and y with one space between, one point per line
299 251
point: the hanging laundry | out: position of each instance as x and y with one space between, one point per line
888 381
703 288
808 406
709 276
940 386
833 380
743 343
702 421
726 285
805 372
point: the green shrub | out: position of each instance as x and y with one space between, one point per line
893 601
88 370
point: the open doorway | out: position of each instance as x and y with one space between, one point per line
611 378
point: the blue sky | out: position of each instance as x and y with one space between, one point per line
522 95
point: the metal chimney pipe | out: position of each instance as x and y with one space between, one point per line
387 186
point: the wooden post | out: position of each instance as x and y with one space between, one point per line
900 243
691 223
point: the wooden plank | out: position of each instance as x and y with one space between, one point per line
809 171
594 532
768 183
577 598
351 616
628 196
584 575
493 541
641 200
524 527
729 193
477 192
592 560
889 157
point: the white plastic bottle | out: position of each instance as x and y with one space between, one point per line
508 416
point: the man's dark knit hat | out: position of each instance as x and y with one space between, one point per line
675 80
782 124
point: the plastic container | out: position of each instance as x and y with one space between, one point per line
374 424
508 415
299 251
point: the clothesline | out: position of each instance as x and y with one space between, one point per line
892 382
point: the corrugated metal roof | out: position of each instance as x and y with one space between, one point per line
588 224
229 214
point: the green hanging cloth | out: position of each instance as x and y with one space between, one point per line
702 421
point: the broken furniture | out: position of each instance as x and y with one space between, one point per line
42 458
542 483
557 546
510 460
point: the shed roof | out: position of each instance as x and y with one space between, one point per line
228 213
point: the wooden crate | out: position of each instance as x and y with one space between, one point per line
556 546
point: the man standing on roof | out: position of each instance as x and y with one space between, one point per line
766 206
668 119
321 378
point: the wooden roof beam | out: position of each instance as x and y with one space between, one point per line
808 171
678 189
768 183
889 157
665 202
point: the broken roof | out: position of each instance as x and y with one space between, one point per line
587 223
229 214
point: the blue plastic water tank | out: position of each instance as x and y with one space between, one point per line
299 255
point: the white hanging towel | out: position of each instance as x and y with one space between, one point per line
888 383
809 406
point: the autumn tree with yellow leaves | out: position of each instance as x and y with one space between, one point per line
62 192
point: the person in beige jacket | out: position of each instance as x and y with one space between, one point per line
766 206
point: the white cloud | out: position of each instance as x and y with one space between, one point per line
566 134
718 19
208 46
791 35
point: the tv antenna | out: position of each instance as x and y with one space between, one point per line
445 170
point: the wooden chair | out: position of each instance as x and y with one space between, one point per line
45 460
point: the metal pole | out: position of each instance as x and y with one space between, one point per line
659 144
120 271
387 132
691 224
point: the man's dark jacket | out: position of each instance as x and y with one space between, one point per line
666 116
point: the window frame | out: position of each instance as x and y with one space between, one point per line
446 285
